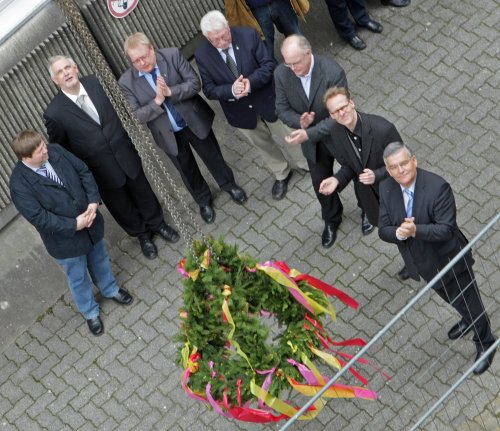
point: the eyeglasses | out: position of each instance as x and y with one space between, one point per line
292 65
342 108
401 165
296 63
142 59
219 36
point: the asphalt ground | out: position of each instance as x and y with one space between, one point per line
434 73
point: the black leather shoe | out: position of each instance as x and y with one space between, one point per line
374 26
167 233
459 330
482 366
396 3
207 213
357 43
237 194
148 247
403 274
366 226
123 297
96 326
280 187
329 235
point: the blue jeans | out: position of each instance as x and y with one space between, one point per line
77 270
279 13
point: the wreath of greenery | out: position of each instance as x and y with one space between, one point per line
249 294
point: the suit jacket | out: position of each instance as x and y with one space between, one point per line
106 148
185 85
254 63
53 208
438 238
292 102
377 133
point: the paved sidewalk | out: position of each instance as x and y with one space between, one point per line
434 72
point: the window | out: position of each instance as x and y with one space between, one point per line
14 13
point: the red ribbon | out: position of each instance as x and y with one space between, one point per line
329 290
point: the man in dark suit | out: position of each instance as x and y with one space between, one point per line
418 213
358 142
82 119
56 193
301 83
236 70
162 88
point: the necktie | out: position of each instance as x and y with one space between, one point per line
175 113
42 170
231 63
82 103
409 205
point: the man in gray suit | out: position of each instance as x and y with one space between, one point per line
300 84
162 89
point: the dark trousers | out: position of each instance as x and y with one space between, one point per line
463 295
331 206
134 206
339 12
209 151
277 13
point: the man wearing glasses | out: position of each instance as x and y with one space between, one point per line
418 214
237 71
358 142
162 88
301 83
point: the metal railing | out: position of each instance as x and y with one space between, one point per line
396 319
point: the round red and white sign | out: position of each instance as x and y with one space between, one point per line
121 8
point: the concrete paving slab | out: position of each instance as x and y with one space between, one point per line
434 72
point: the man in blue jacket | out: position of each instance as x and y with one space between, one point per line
236 70
60 198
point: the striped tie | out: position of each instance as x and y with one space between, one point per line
42 170
409 205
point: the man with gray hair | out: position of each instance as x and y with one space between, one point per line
418 214
82 119
301 82
236 70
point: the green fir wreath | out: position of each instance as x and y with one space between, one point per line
224 333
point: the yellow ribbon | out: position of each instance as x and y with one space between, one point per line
225 309
327 357
280 406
